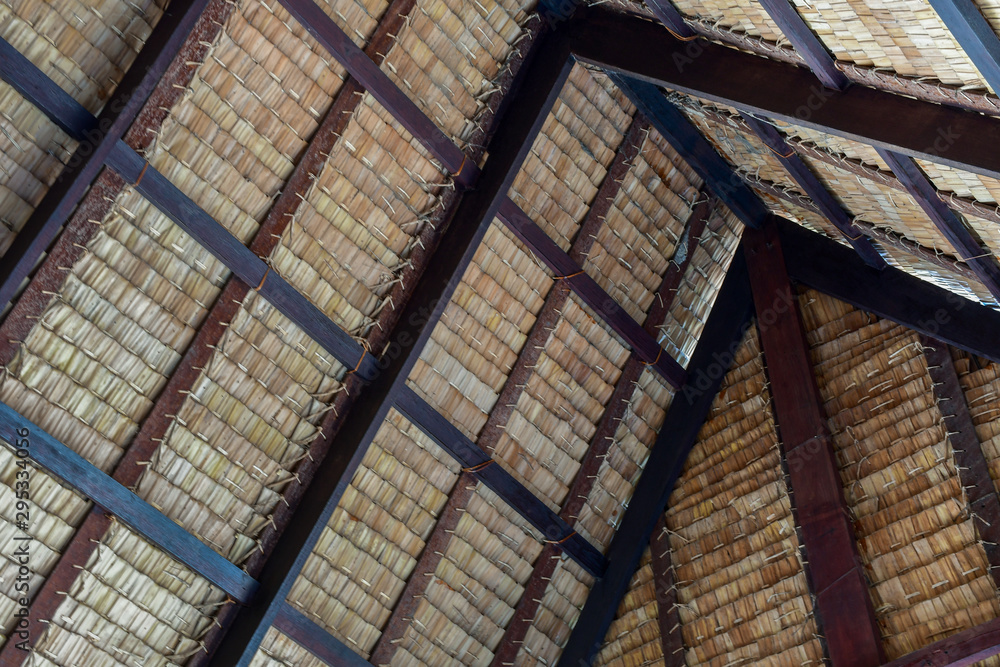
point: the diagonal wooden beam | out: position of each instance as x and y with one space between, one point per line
299 628
806 42
168 39
782 91
974 34
721 338
961 649
30 441
980 259
833 269
592 294
333 38
809 183
524 112
973 469
671 18
835 570
669 619
696 150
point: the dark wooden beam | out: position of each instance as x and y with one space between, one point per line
164 43
721 338
131 510
833 269
299 628
333 38
671 18
524 111
961 649
592 294
636 47
980 259
812 186
806 42
974 34
973 469
835 570
696 150
474 460
671 638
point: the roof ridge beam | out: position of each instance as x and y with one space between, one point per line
980 259
821 197
835 571
723 334
779 90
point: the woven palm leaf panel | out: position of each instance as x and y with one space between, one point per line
634 636
980 379
621 468
742 594
86 48
927 571
745 16
110 339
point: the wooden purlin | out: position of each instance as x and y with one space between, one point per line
973 468
723 332
969 27
778 90
961 649
671 639
807 44
465 224
835 571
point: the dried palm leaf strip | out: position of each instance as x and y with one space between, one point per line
144 446
583 482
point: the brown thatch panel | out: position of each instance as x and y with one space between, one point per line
626 457
450 54
699 286
557 413
981 383
927 569
742 590
633 640
131 603
474 589
646 220
570 156
277 650
908 38
557 613
746 16
355 574
472 350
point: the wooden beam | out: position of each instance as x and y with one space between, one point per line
475 461
636 47
974 34
696 150
299 628
835 570
333 38
806 42
721 338
812 186
973 469
42 227
833 269
671 18
671 638
961 649
131 510
524 111
592 294
980 259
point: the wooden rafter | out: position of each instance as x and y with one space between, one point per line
961 649
833 269
526 111
835 571
782 91
131 510
668 618
722 335
974 34
981 260
806 42
168 39
809 183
